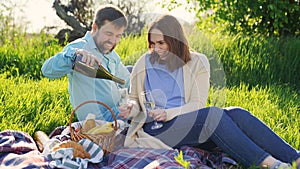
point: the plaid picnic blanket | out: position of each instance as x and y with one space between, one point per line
18 150
140 157
136 158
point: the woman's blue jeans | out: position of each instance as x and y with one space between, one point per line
238 133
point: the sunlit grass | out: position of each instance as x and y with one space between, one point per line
131 48
29 105
277 106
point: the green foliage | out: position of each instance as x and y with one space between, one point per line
249 59
260 74
201 43
259 60
233 59
265 17
181 161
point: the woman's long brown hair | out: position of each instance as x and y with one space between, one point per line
175 38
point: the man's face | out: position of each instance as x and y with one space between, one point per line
107 37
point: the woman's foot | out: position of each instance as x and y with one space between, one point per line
272 163
280 165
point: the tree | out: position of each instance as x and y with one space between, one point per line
78 14
268 17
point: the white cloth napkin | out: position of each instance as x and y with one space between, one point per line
63 158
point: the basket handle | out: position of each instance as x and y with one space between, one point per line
93 101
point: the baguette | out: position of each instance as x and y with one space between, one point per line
41 139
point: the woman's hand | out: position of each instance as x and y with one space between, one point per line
158 114
124 111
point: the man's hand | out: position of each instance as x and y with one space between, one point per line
88 58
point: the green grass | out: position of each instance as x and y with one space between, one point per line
29 105
277 106
131 48
24 56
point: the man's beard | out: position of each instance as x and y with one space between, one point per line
104 50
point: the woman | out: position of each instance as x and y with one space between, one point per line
179 82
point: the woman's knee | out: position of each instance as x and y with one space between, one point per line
216 110
215 114
237 112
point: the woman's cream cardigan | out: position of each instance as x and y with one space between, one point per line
196 74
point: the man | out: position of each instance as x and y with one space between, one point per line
96 47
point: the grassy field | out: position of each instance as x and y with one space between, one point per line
261 75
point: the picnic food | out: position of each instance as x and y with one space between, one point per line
89 123
41 139
105 140
79 151
102 129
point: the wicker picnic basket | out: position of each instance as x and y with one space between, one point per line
105 141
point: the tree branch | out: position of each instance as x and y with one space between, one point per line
70 20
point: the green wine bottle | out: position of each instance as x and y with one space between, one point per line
96 72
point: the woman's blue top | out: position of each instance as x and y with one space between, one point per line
167 87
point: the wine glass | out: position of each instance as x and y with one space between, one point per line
124 101
124 97
149 103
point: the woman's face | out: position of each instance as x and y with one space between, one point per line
158 44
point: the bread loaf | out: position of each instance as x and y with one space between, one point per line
79 151
89 123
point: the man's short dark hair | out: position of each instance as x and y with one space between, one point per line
112 14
